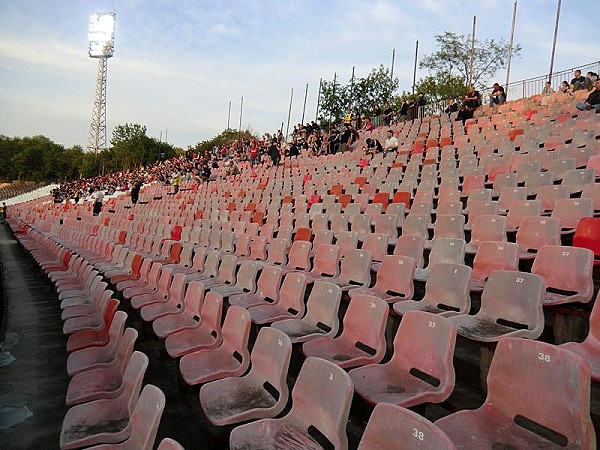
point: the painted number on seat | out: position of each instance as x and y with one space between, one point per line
418 434
544 357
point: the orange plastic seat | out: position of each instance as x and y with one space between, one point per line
587 235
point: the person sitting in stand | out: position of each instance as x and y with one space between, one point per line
547 88
373 147
391 142
578 82
592 101
498 96
564 87
452 106
205 172
471 102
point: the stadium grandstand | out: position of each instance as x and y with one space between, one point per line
442 295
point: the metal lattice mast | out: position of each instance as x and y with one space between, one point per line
97 138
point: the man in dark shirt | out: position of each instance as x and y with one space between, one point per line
578 82
471 102
498 96
593 99
373 147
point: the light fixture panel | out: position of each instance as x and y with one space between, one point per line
101 34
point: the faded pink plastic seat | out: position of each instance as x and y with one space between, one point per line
105 421
535 180
444 250
577 178
568 273
518 210
321 401
229 359
478 208
245 281
589 349
89 310
267 290
363 337
491 256
571 210
421 368
104 381
143 279
298 257
92 322
446 292
394 280
387 224
346 241
144 421
197 265
94 338
548 195
522 373
186 314
325 263
508 195
411 246
206 334
536 231
592 190
210 268
391 424
289 303
416 225
226 274
227 401
486 228
278 251
84 296
511 305
175 301
355 270
321 319
448 226
377 244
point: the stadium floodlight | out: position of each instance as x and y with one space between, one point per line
101 34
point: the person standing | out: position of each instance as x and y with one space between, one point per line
135 192
98 199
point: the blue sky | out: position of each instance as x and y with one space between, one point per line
177 64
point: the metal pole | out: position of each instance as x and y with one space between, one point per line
352 88
304 107
555 37
333 96
287 129
472 60
392 72
229 115
240 129
318 100
415 67
510 47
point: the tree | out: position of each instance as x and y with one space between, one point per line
441 87
338 99
453 59
226 137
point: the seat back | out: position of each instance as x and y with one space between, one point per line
411 246
416 225
508 194
326 260
566 269
514 299
577 178
242 245
449 226
177 288
236 331
587 235
321 399
132 379
364 324
146 418
518 209
395 275
390 424
322 307
536 231
494 255
194 297
246 276
356 267
571 210
258 248
447 287
270 359
424 346
211 264
377 244
480 208
212 308
447 250
524 370
299 255
548 195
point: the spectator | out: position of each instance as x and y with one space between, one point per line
547 88
98 199
452 106
176 182
590 80
135 192
578 82
391 142
368 126
498 96
564 87
346 138
253 152
274 153
373 147
205 172
333 141
3 211
471 102
404 109
593 99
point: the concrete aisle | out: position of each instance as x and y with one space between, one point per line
38 377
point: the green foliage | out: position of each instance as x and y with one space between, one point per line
226 137
453 58
337 99
441 86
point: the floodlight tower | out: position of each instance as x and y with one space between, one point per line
101 35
